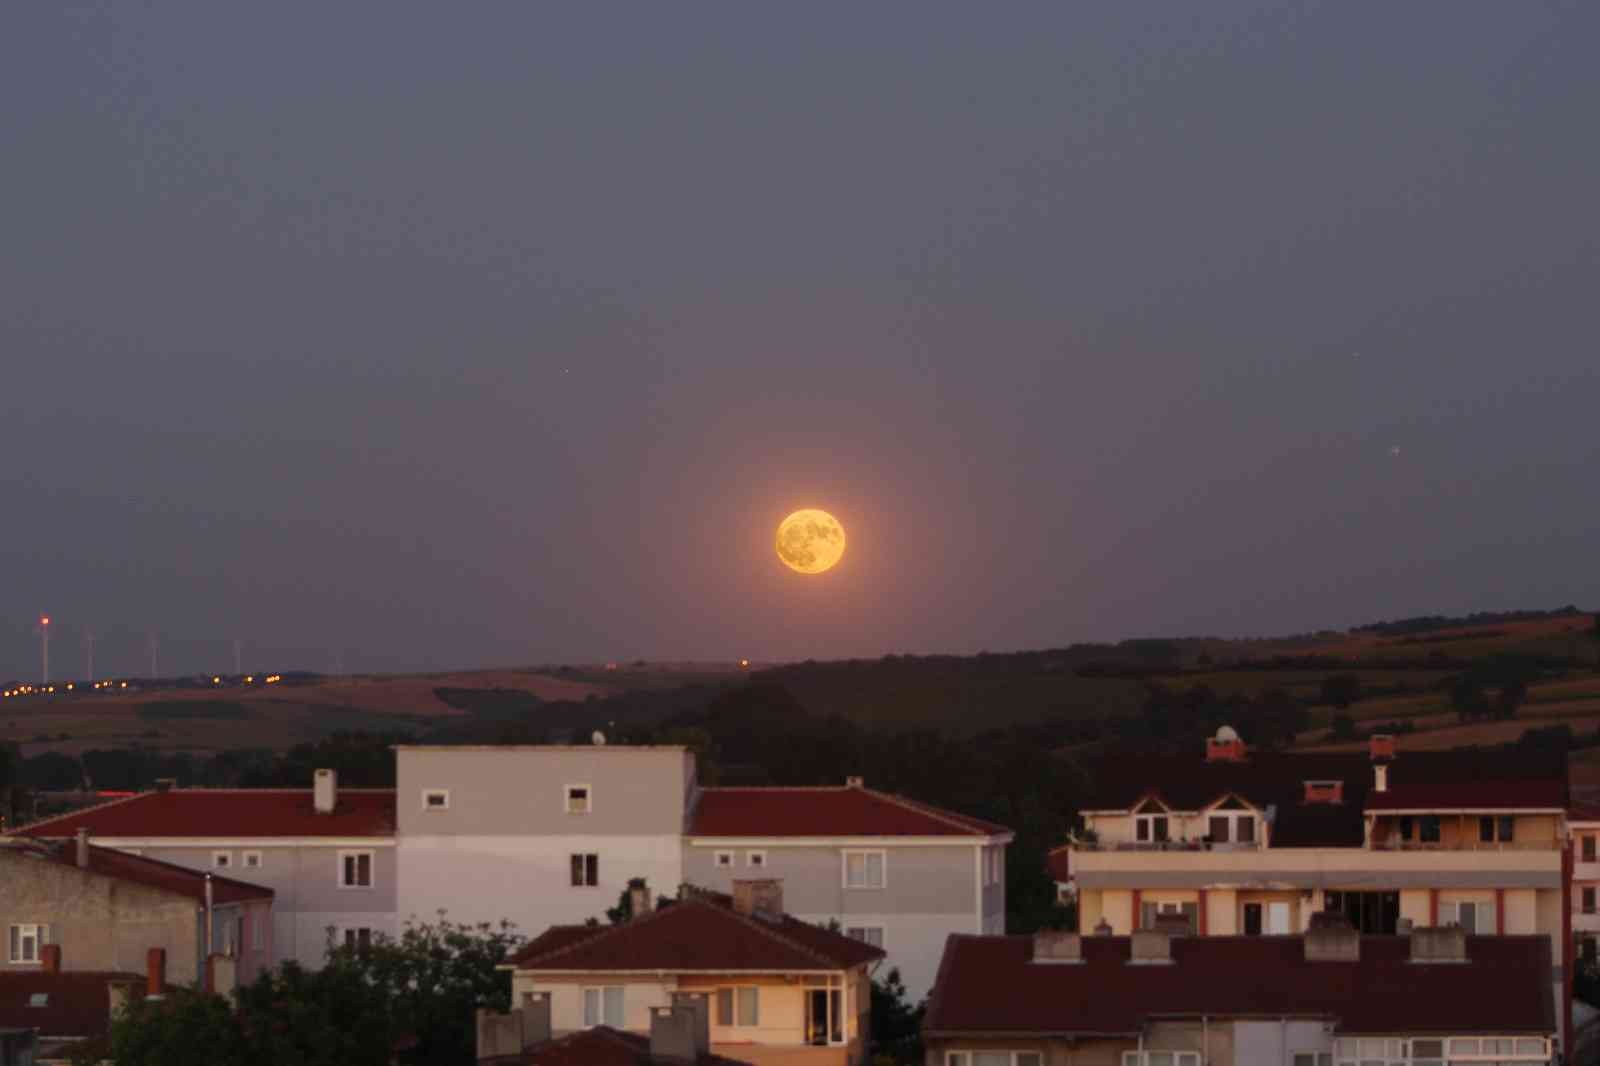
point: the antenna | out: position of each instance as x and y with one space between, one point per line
238 647
88 643
44 649
152 642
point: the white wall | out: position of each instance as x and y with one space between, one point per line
915 943
1263 1043
527 879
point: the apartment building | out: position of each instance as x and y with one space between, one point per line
1583 829
1237 842
327 854
1329 997
772 990
894 873
538 835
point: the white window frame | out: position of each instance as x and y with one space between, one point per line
427 797
39 932
733 1014
1142 1058
250 860
372 868
222 860
1482 915
1148 820
588 798
865 853
757 859
1349 1052
882 931
966 1058
586 882
722 860
601 993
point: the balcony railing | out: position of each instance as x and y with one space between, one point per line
1164 845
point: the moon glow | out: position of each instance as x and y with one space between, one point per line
810 541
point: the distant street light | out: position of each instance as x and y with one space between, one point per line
44 649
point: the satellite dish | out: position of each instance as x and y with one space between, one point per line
1227 732
598 738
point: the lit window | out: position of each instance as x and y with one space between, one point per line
585 870
435 799
863 869
578 799
603 1006
355 869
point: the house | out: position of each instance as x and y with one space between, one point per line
772 989
545 835
1583 829
326 853
105 909
62 1008
679 1034
1330 997
895 873
1256 844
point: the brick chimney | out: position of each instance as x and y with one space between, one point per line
1438 943
639 899
155 969
82 844
1226 746
1331 938
325 790
1329 792
759 898
50 958
1381 747
1057 946
1150 947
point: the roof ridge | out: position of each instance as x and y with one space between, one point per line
600 932
199 874
788 941
948 817
777 788
80 811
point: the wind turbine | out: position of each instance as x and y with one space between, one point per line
44 649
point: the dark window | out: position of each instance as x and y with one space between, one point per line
1371 913
1588 901
1429 829
1219 830
1588 849
1246 830
1252 919
1141 829
1507 826
1159 824
585 870
1486 829
1405 827
1589 952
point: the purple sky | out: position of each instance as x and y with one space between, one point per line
506 334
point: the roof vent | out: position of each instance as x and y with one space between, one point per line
1226 746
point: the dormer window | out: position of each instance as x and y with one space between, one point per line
1150 828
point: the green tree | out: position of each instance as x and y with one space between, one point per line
185 1028
1466 696
1341 690
1344 727
896 1024
1510 697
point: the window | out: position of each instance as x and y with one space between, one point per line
585 870
739 1007
221 860
1407 826
755 858
1588 849
1491 1051
25 942
1161 1058
1245 829
1493 828
355 869
1150 828
358 937
1313 1058
602 1006
1219 828
867 934
579 799
863 869
251 860
724 860
1429 829
1588 901
1473 917
436 799
993 1058
1148 912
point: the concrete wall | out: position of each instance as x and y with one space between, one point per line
1273 1043
101 923
1319 867
1053 1052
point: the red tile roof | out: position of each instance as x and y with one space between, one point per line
1470 795
600 1046
700 934
229 813
990 985
846 811
1584 812
76 1003
153 873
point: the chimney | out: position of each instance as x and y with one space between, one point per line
324 790
1226 746
1327 792
82 855
672 1034
1331 938
1057 946
1151 947
50 958
700 1004
1380 746
119 993
535 1018
155 968
639 900
1380 777
499 1033
1438 943
855 782
762 898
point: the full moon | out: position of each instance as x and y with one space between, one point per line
810 541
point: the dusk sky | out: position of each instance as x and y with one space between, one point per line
449 336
